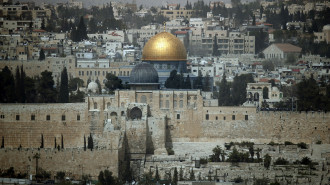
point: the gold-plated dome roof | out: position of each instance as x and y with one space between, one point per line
164 47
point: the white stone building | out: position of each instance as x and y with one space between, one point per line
281 51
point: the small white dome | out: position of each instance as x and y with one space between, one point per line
326 27
93 87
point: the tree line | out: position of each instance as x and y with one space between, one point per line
40 89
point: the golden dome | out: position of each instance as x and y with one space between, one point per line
164 47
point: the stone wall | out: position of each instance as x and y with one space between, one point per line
74 162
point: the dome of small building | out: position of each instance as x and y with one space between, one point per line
164 47
93 87
326 27
143 73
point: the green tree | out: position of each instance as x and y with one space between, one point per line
37 157
7 87
113 83
215 51
46 90
42 141
77 97
253 20
187 83
106 178
251 150
175 177
42 55
215 157
84 143
82 30
291 59
30 90
239 88
157 176
90 144
181 174
22 89
63 96
267 161
224 92
146 179
92 26
192 175
18 84
75 83
43 24
60 176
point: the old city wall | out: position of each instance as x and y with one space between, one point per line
74 162
228 124
24 124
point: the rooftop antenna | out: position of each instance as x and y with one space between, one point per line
164 26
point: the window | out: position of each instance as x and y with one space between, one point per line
233 117
2 116
246 117
48 117
78 117
207 116
181 103
177 116
33 117
216 118
167 104
17 117
224 118
95 105
63 117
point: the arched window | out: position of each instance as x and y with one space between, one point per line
108 105
135 113
95 105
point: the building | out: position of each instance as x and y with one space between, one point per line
174 14
323 36
281 51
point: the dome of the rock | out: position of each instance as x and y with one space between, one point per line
164 47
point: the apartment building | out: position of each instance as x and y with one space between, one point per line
174 14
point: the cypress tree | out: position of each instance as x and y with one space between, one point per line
181 174
157 176
84 143
17 84
22 90
42 54
175 177
215 51
64 89
62 141
55 142
42 141
3 142
81 30
187 83
192 175
224 92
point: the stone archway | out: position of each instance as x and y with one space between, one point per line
113 115
135 113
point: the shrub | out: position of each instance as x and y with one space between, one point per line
302 145
319 142
238 180
203 161
272 143
306 161
288 143
267 161
281 161
170 151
